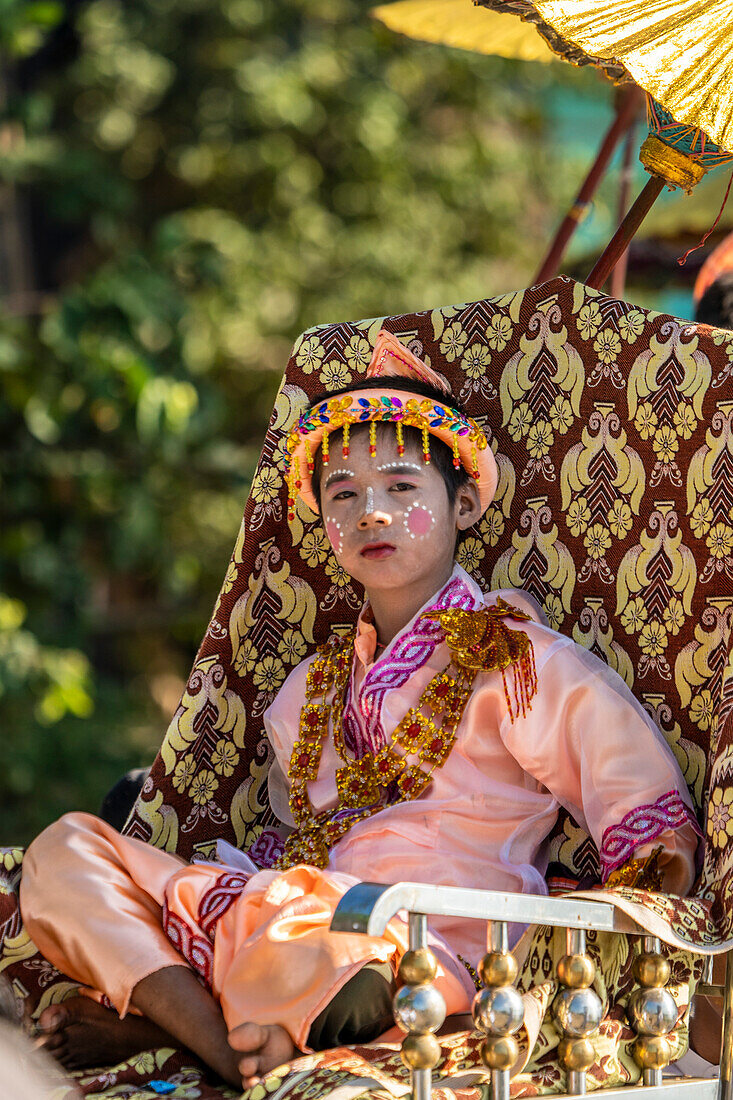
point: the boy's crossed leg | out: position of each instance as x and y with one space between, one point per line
177 1011
81 1033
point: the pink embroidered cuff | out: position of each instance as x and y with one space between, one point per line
642 825
267 849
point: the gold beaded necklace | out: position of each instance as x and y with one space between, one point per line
422 741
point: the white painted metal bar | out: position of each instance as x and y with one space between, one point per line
368 908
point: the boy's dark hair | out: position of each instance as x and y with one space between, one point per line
453 479
716 305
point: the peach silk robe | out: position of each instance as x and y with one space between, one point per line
109 910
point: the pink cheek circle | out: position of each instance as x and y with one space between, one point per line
419 522
334 535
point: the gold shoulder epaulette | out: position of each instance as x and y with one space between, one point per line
481 641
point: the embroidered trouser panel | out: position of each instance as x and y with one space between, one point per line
109 910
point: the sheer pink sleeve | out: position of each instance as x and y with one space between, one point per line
282 721
592 745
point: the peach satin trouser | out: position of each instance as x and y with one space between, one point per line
106 910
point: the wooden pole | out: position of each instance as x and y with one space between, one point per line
618 275
620 240
629 102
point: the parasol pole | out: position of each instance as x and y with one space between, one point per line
618 276
629 103
620 240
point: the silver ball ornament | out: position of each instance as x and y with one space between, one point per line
652 1011
418 1008
498 1011
578 1012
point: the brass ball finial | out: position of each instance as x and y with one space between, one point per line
499 1051
576 971
651 970
653 1051
576 1055
418 967
420 1051
498 968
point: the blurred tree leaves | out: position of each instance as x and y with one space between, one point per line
24 25
204 181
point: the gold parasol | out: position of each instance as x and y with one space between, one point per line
679 51
465 26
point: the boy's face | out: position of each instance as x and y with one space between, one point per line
388 519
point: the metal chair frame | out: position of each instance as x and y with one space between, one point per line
368 907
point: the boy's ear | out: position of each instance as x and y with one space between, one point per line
468 506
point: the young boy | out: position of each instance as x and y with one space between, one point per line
435 744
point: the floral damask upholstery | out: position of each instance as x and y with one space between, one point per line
612 428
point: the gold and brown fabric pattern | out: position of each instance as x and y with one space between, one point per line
612 429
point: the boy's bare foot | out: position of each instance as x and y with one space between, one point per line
263 1048
80 1033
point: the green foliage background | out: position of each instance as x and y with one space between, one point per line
227 174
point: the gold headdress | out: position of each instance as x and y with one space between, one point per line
391 359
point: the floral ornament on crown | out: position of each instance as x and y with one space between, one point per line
413 412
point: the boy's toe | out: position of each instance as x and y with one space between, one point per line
53 1019
249 1038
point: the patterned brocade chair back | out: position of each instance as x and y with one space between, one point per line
612 428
